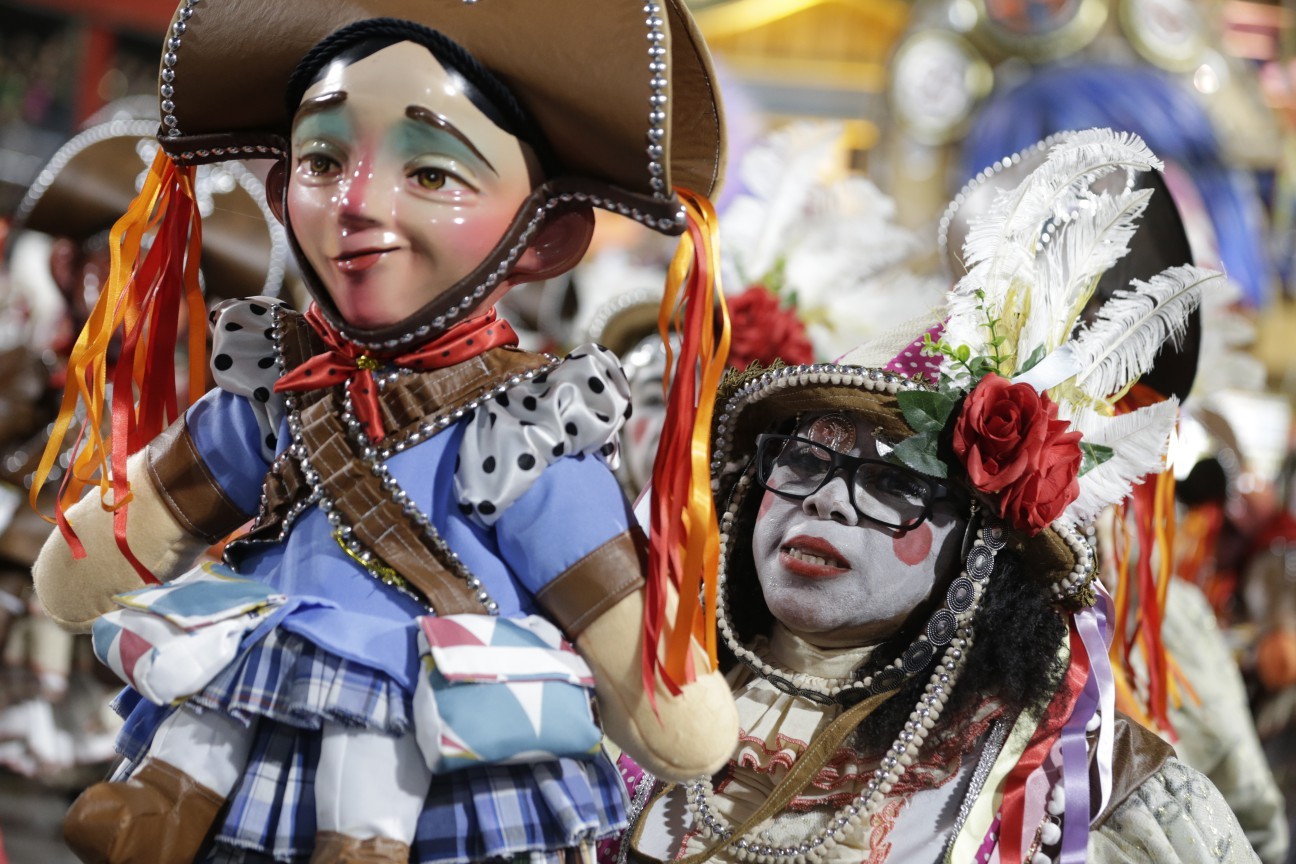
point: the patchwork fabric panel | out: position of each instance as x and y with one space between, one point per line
170 640
500 691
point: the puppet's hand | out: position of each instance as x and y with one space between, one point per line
689 735
76 592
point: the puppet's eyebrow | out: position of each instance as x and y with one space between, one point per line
422 115
320 103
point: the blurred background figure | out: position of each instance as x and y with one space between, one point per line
814 264
56 725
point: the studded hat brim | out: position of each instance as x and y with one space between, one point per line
622 90
760 400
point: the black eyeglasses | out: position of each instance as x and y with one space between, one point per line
882 492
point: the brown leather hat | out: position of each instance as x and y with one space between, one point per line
622 91
90 182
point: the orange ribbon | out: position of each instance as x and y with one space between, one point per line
140 304
684 549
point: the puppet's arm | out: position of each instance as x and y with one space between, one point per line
177 510
599 603
690 735
75 591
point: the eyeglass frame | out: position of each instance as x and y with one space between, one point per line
848 466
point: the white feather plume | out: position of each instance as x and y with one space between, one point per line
1093 239
1139 441
1133 325
1002 248
781 171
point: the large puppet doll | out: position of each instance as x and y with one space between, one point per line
381 670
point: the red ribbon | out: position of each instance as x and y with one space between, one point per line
1050 727
346 361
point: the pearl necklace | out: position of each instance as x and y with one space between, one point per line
847 821
700 793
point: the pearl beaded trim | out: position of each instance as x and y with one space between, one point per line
373 458
851 818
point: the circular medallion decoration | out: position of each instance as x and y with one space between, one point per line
937 79
1040 30
1168 33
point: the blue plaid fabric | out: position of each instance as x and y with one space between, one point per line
286 687
470 815
288 679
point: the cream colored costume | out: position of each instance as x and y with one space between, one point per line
1174 815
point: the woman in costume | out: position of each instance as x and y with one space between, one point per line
377 675
916 632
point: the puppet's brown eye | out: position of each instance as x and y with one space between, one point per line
431 178
318 164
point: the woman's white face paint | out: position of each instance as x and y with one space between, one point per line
835 578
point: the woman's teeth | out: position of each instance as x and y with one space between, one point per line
812 559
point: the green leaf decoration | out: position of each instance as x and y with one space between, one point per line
919 453
982 366
1033 360
924 410
1092 455
963 354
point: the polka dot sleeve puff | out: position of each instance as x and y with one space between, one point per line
576 408
243 362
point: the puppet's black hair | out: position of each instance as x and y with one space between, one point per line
363 38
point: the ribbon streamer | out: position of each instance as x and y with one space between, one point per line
684 546
140 306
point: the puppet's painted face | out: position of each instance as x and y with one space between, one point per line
399 185
835 578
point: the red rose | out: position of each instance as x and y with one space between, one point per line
763 330
1000 431
1041 494
1013 446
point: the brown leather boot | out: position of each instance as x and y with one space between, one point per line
334 848
160 815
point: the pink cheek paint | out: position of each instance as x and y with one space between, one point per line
912 546
766 503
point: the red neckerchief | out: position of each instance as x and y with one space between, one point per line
350 362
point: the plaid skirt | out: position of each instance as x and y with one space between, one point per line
288 687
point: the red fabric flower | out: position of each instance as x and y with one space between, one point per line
1013 446
763 330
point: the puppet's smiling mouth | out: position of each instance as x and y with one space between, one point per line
361 259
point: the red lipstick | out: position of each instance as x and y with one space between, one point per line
812 558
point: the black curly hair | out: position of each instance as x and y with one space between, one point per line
481 87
